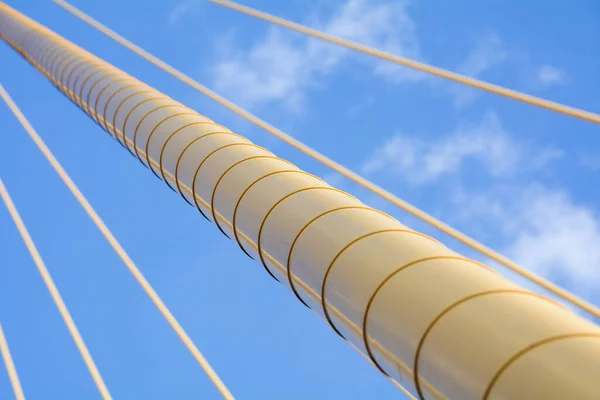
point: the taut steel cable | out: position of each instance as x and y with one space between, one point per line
416 65
137 274
54 292
441 324
10 366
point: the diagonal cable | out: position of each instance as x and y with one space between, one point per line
164 310
354 177
416 65
10 365
58 300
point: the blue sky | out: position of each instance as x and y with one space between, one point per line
517 178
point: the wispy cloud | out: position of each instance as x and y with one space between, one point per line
491 56
385 26
558 238
282 66
590 161
549 75
180 10
360 105
489 53
542 229
419 161
272 70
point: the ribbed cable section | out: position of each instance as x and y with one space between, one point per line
441 324
334 166
117 247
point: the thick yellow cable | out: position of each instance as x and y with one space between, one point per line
10 365
60 304
419 66
164 310
452 232
186 189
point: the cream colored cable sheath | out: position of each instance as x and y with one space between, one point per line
452 232
419 66
164 310
9 363
109 128
187 190
393 381
70 94
60 304
440 324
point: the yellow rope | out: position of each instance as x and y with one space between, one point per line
10 365
164 310
452 232
419 66
60 304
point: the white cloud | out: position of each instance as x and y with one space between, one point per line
559 239
385 26
488 53
180 10
542 229
590 161
334 179
544 157
271 70
360 105
282 65
548 75
421 161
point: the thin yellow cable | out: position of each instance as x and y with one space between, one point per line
10 365
60 304
419 66
164 310
452 232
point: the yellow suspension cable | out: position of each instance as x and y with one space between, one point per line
60 304
354 177
419 66
164 310
10 365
